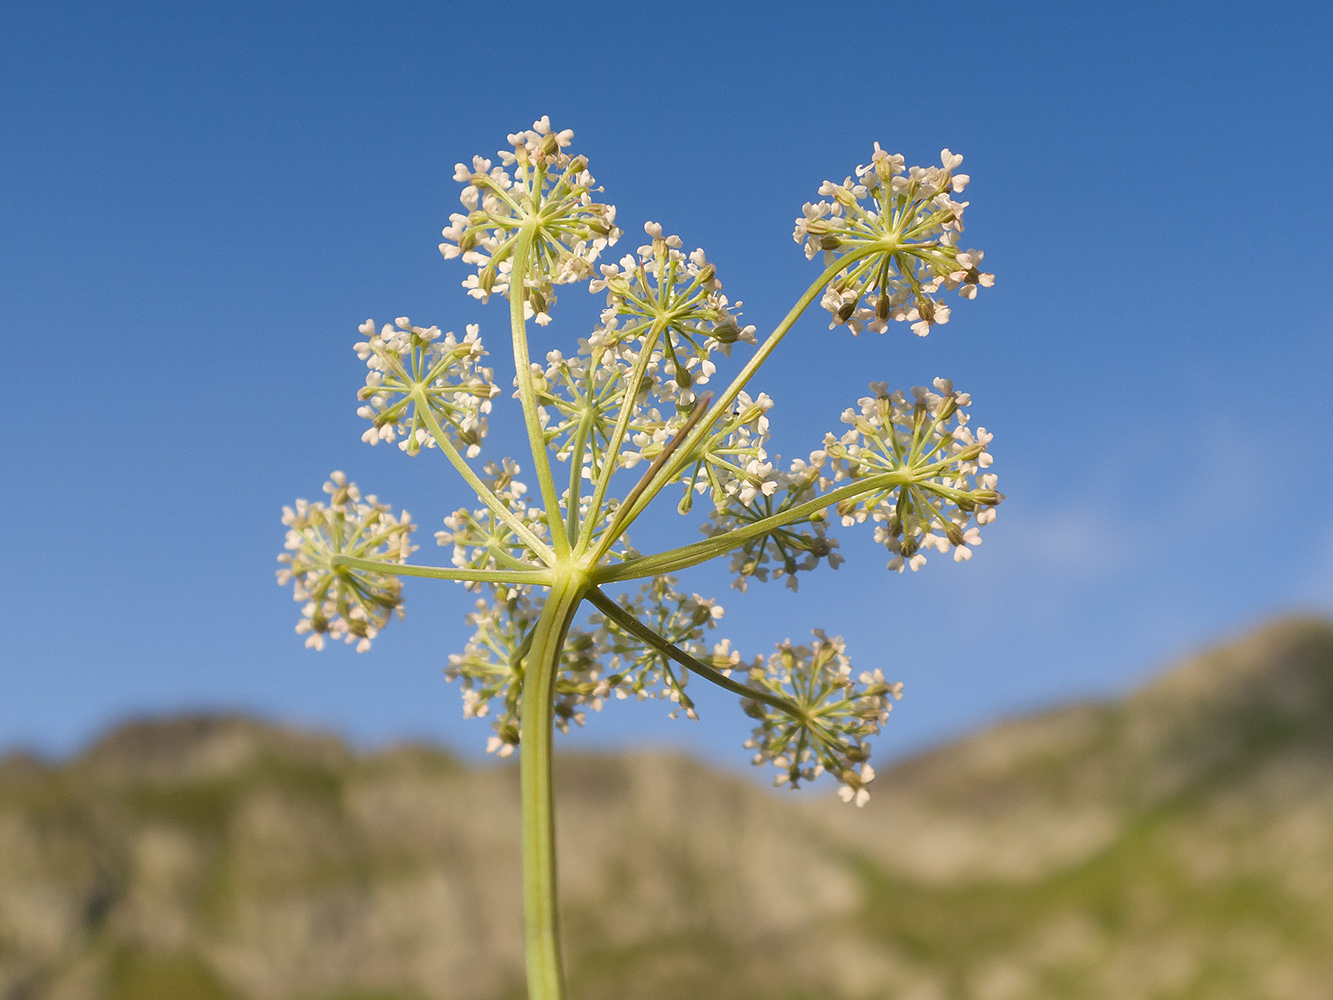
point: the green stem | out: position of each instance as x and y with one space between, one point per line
528 395
631 391
719 407
484 493
615 529
576 471
541 918
538 577
674 560
630 624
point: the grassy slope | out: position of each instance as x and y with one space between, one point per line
1177 844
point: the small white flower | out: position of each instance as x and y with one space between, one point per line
538 187
838 715
634 669
784 552
673 303
479 537
898 228
342 601
927 437
404 360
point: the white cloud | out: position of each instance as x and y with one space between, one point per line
1080 542
1316 584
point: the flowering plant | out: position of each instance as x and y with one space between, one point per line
630 413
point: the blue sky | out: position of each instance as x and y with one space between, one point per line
202 204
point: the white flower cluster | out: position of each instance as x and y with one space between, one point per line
837 715
342 602
598 662
663 290
408 363
635 669
898 227
730 463
481 539
928 436
580 400
490 668
635 395
536 185
783 552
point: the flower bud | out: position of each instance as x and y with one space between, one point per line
752 708
859 753
726 332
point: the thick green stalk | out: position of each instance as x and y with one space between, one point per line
675 560
631 391
484 492
527 394
628 513
541 918
540 577
632 625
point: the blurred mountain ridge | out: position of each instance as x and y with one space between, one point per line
1174 843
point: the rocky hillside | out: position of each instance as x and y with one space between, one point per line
1176 844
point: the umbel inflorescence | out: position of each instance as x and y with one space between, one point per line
659 394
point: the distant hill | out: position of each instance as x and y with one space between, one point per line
1176 844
